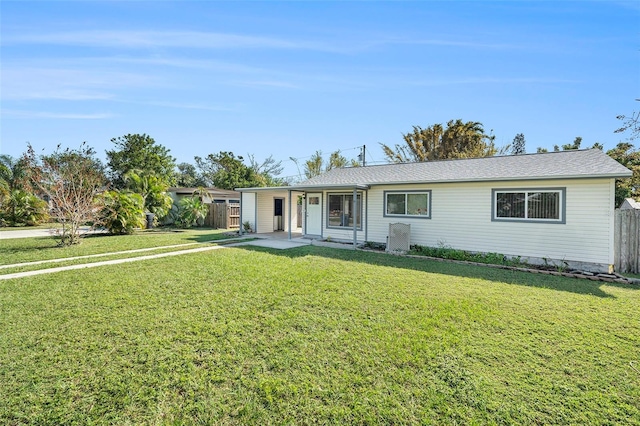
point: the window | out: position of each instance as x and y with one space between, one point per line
410 203
532 205
340 211
314 201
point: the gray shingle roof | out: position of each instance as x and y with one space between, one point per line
552 165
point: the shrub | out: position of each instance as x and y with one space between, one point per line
123 212
190 211
446 252
19 208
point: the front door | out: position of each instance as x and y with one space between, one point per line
314 213
278 214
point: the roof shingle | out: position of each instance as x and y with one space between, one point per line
554 165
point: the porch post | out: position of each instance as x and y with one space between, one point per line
240 228
355 217
289 218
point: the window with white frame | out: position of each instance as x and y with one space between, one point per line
532 205
408 203
340 210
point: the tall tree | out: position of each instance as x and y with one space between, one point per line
626 154
316 164
142 154
71 179
457 140
518 145
577 142
313 166
14 174
575 145
267 171
226 171
336 161
187 176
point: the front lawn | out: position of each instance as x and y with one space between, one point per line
21 250
316 335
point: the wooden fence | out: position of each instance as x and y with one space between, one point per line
627 241
223 216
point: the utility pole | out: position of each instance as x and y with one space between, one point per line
363 155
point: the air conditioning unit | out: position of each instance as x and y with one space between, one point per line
399 238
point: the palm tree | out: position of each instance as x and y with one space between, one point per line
457 140
14 174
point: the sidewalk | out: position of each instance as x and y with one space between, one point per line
106 262
32 233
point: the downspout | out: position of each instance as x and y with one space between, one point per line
355 217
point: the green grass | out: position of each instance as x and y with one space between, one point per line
21 250
315 335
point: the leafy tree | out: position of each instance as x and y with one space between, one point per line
141 154
518 145
570 146
122 212
337 161
626 154
71 179
313 166
227 171
153 191
187 176
457 140
575 145
267 171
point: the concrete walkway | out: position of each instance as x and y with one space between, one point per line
276 244
269 243
107 262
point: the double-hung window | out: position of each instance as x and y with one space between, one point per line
407 204
529 205
340 210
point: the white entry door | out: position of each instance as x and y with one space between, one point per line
314 213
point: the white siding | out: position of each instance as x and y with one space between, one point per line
461 218
248 206
265 208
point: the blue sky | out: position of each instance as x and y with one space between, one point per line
289 78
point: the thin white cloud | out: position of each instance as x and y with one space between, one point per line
449 43
131 39
492 80
182 105
180 62
269 84
27 83
24 114
158 39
